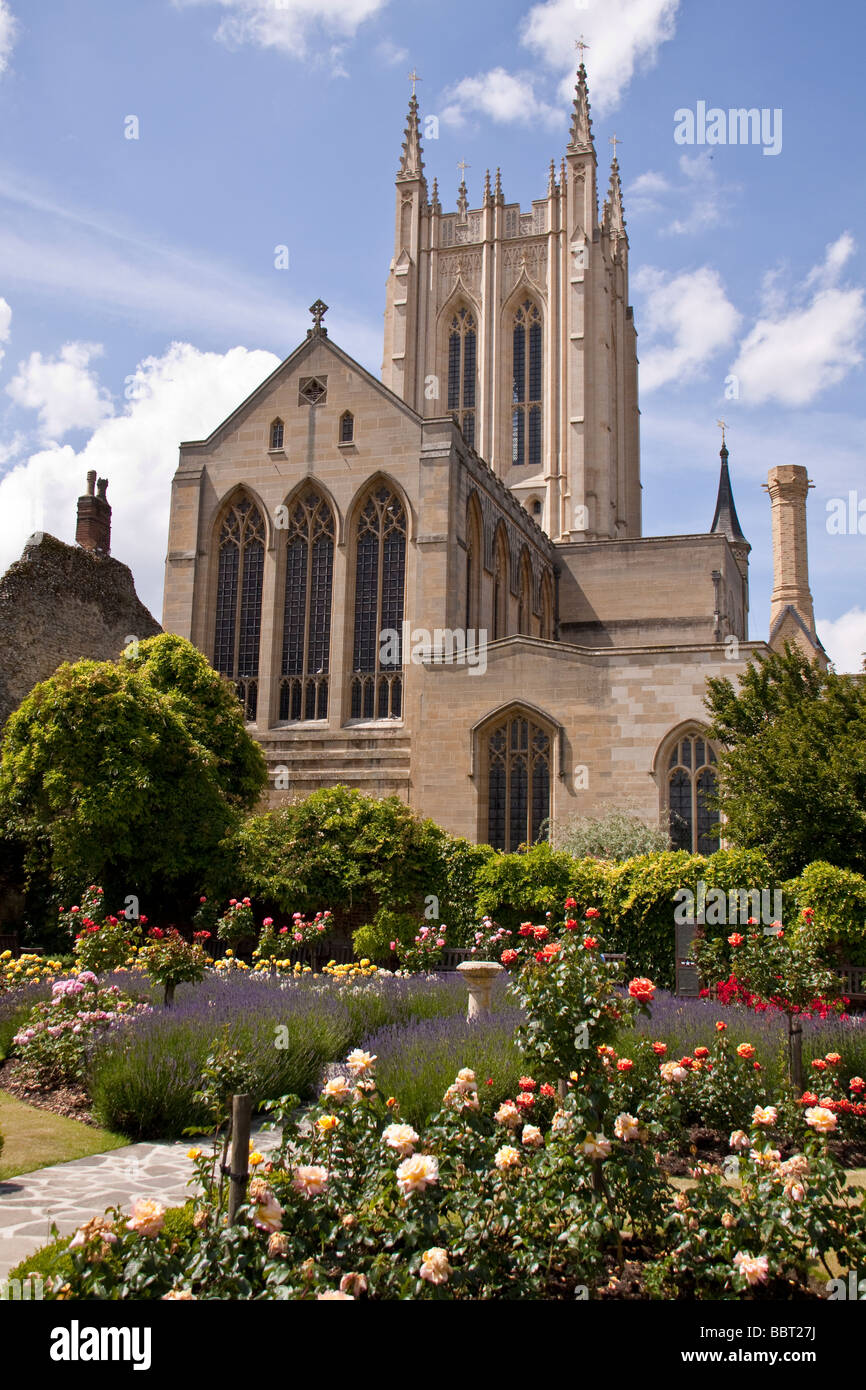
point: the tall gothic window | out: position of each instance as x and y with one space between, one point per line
500 587
380 583
526 386
524 610
240 574
518 782
462 358
277 433
473 565
307 610
691 783
546 609
347 427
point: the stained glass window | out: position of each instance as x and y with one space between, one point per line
380 583
526 389
518 783
240 575
692 783
462 364
304 671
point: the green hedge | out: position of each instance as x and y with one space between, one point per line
52 1261
838 897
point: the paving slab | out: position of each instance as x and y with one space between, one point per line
68 1194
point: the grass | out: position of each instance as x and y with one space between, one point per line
39 1139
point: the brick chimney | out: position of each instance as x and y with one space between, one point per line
792 615
93 529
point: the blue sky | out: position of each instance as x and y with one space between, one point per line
139 301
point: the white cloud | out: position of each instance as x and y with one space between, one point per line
692 312
64 391
807 340
183 394
622 35
844 639
292 26
503 96
391 53
700 197
8 32
5 321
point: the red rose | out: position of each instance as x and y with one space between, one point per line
547 1090
526 1083
591 913
541 933
624 1064
570 924
720 1027
570 902
589 943
642 989
508 957
660 1048
525 930
702 1052
735 939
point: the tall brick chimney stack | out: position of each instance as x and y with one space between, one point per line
93 529
792 614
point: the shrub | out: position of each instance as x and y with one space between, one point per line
512 887
127 773
170 960
143 1083
58 1034
837 898
615 836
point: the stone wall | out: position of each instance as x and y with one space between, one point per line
61 603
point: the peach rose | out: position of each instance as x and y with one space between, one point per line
434 1266
148 1217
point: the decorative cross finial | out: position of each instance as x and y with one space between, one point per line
615 140
581 46
463 166
318 311
413 78
723 427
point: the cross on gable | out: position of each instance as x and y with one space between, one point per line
318 311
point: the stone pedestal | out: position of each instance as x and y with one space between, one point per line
479 976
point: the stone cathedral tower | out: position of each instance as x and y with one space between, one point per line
518 323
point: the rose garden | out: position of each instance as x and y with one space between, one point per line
191 964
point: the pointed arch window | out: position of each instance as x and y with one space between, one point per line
500 587
347 427
462 364
524 608
304 671
380 584
546 609
240 574
526 386
690 784
277 435
473 566
518 766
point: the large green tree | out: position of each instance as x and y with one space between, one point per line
128 773
793 766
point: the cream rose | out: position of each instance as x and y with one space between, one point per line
434 1266
403 1138
148 1217
417 1173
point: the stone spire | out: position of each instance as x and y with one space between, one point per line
551 180
435 204
412 159
488 196
581 123
613 206
726 522
498 195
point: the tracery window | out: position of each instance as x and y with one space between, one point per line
347 427
526 386
240 573
691 783
518 754
304 671
277 434
462 360
380 583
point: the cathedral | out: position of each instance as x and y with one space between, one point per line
435 585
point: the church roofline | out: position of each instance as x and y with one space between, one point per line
314 340
790 609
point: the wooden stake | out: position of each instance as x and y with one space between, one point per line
242 1113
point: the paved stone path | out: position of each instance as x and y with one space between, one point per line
69 1194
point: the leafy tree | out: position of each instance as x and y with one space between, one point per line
127 773
793 768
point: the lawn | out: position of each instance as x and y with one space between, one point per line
37 1138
